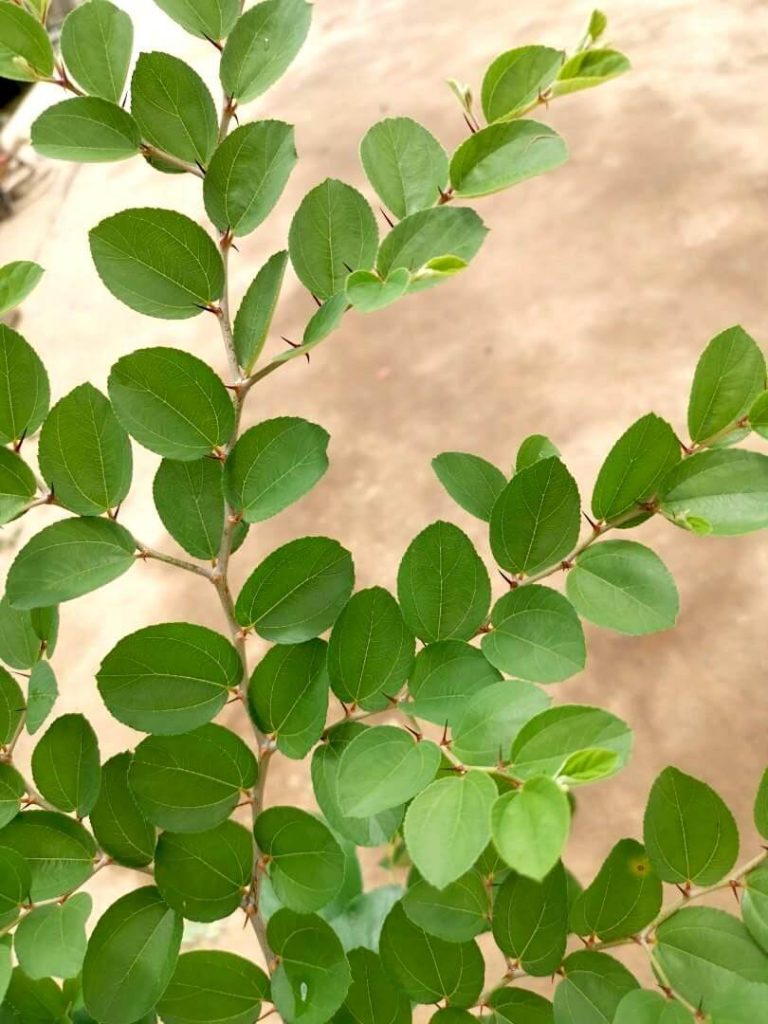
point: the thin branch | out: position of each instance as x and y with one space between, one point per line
145 552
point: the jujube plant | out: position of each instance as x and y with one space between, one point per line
427 713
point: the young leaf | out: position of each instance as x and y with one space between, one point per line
96 44
58 851
536 635
442 585
120 828
689 833
643 1007
624 897
66 766
444 677
332 233
211 986
192 782
472 482
545 743
382 768
306 864
530 826
587 69
86 130
372 998
429 235
68 559
288 696
51 940
448 826
530 921
262 45
84 453
515 81
203 875
721 491
169 678
486 728
209 19
634 468
594 986
171 402
17 485
456 913
298 591
131 957
23 386
622 585
17 280
158 262
588 765
12 789
173 108
26 53
254 317
503 155
729 377
761 806
405 164
367 292
533 449
247 175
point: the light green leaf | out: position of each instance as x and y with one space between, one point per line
519 1006
120 828
741 1002
210 19
486 729
624 897
131 957
211 986
588 765
23 385
84 453
545 743
367 292
594 986
622 585
587 69
383 767
372 998
445 676
58 851
17 280
530 921
761 806
66 766
169 678
729 377
536 635
530 826
51 940
247 175
533 449
158 262
428 235
17 485
254 317
754 905
12 789
86 130
689 833
322 323
456 913
26 635
288 696
306 864
472 482
448 826
96 44
758 415
724 489
503 155
643 1007
359 925
68 559
313 975
262 45
405 164
442 585
26 53
515 81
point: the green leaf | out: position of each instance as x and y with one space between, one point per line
634 468
519 1006
530 921
86 130
643 1007
209 19
68 559
96 44
203 876
535 521
370 651
383 767
171 402
472 482
741 1002
247 175
120 828
57 850
41 695
192 782
442 585
689 833
21 643
11 707
503 155
444 677
17 485
405 164
359 925
189 498
724 489
23 384
702 951
254 316
428 235
313 975
429 969
729 377
624 897
274 464
761 806
12 789
66 766
6 965
211 986
594 986
323 322
332 233
533 449
448 826
306 864
158 262
288 696
587 69
486 729
367 292
622 585
456 913
26 53
516 79
754 905
51 940
588 765
544 745
298 591
262 45
372 998
131 957
15 880
33 1002
17 280
536 635
84 453
173 108
758 415
530 826
169 678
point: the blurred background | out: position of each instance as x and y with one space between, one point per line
588 306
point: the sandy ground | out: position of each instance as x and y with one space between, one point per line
587 307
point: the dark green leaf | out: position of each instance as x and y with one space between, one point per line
721 492
41 695
23 383
729 377
516 79
313 975
26 53
86 130
15 881
263 44
761 806
288 696
456 913
210 19
33 1002
594 986
12 789
51 940
472 482
519 1006
58 851
11 707
189 498
530 826
372 999
486 729
429 235
383 767
587 69
405 164
17 280
210 986
445 675
624 897
257 308
96 44
503 155
66 765
547 742
306 864
25 635
530 921
119 826
17 485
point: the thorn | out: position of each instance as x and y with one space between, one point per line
226 239
200 167
735 886
319 303
591 521
469 124
566 564
414 732
293 344
20 442
386 216
348 268
214 42
512 582
445 742
392 701
235 117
